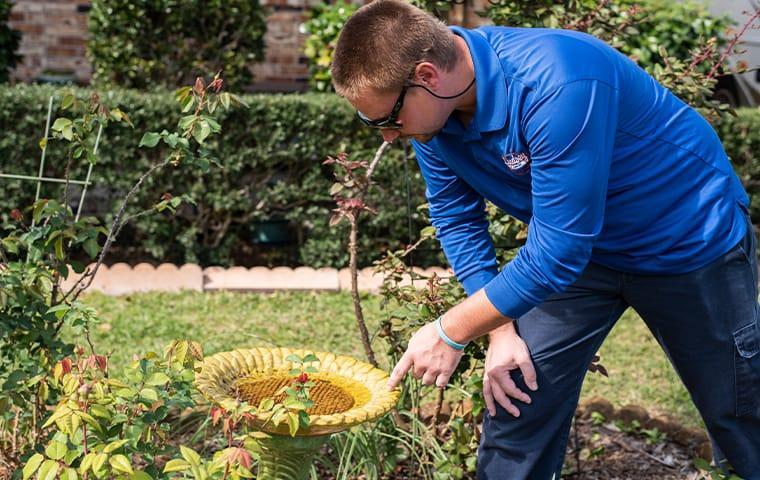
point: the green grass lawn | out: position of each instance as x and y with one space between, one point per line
638 370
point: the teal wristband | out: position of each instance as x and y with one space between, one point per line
451 343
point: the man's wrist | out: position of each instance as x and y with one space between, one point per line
448 331
507 329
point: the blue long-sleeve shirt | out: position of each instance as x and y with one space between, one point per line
605 165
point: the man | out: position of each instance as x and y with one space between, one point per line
630 200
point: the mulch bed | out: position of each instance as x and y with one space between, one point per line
608 450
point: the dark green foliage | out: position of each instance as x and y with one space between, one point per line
324 25
9 40
741 138
271 155
142 43
637 28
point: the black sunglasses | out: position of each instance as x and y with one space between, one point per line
391 121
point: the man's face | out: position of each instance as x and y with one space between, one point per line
421 115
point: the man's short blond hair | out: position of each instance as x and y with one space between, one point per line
382 42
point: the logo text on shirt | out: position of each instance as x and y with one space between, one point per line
517 162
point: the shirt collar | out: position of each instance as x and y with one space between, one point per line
491 108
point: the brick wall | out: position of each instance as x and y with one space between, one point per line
54 38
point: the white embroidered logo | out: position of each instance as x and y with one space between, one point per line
517 162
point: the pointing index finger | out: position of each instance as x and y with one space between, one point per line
402 367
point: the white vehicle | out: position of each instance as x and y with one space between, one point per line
742 90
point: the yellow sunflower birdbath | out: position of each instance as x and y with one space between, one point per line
346 393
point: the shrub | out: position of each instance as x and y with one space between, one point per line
272 171
324 25
162 42
272 155
741 139
9 40
39 243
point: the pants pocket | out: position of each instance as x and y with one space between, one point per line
747 368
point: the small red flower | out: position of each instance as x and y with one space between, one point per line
303 378
17 215
166 196
216 85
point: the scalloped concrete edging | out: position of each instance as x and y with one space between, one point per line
121 278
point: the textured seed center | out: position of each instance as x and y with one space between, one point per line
328 398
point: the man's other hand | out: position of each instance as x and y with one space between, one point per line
506 352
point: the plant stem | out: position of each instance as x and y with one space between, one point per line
352 263
115 226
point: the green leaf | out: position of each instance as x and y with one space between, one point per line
68 100
91 247
149 394
201 131
121 463
59 310
115 445
48 470
213 124
266 404
140 475
293 423
68 132
77 266
176 465
56 450
225 98
69 474
32 465
310 358
59 413
187 103
98 462
190 455
427 231
150 140
701 464
186 121
158 378
293 358
60 124
87 462
100 411
59 248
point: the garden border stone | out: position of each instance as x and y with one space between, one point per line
121 278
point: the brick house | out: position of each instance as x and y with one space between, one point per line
54 41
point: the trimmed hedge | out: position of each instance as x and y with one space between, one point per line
272 155
162 42
741 139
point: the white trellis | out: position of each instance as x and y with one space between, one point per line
40 179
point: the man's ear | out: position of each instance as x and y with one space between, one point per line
427 74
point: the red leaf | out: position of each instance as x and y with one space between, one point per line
199 86
102 362
216 414
66 365
245 458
